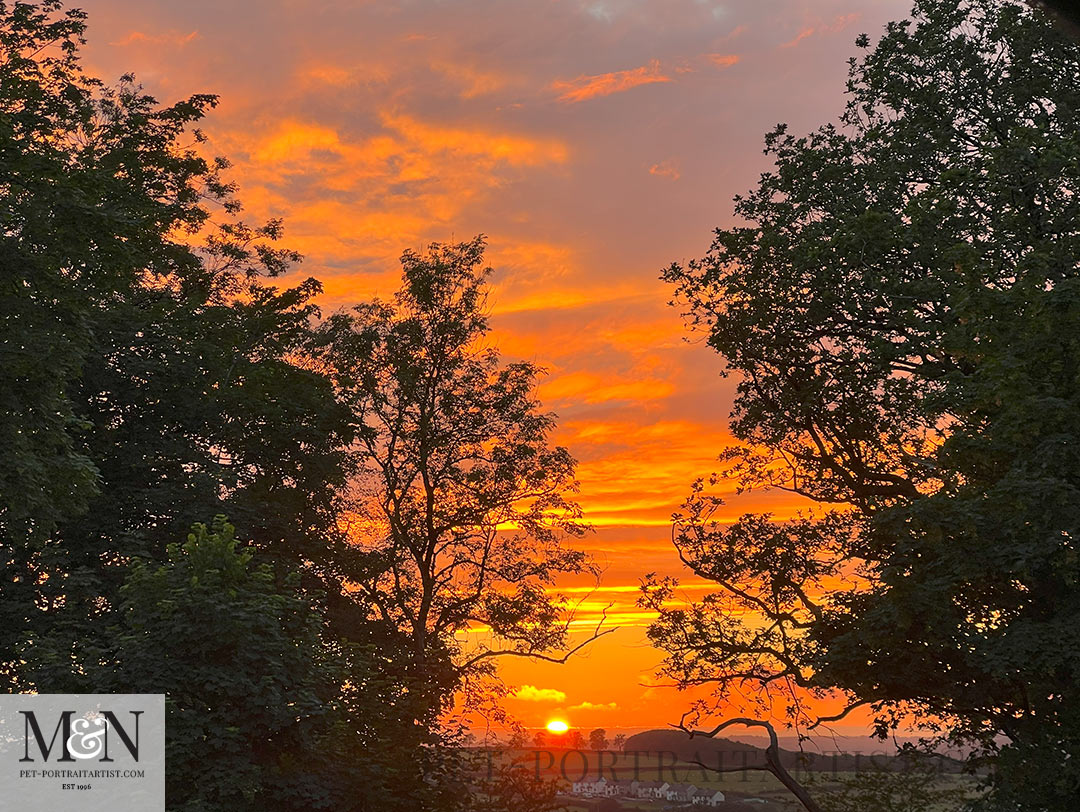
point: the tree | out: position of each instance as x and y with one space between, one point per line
459 493
598 739
93 187
619 741
901 312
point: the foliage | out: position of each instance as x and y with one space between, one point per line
45 209
901 310
149 374
268 709
242 701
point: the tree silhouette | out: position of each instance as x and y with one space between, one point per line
459 493
598 739
900 309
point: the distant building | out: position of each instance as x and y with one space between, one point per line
707 797
598 788
646 790
680 793
649 789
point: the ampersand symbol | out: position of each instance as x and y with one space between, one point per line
89 733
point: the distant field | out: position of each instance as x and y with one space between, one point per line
649 767
566 766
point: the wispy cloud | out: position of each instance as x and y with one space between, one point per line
666 169
473 81
585 87
838 24
723 60
168 38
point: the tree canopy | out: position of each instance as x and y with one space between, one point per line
900 309
148 366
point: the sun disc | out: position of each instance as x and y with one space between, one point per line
557 726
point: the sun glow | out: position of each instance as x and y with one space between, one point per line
557 726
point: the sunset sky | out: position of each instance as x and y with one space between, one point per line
593 142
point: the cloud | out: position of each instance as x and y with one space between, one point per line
600 387
530 693
724 60
585 87
353 197
473 81
838 24
593 706
516 150
167 38
666 169
341 76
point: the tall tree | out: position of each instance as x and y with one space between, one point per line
92 189
901 312
464 499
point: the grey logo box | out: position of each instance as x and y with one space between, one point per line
91 752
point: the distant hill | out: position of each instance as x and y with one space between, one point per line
678 742
729 754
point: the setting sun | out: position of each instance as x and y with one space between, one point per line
557 726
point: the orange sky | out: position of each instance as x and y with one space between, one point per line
594 142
